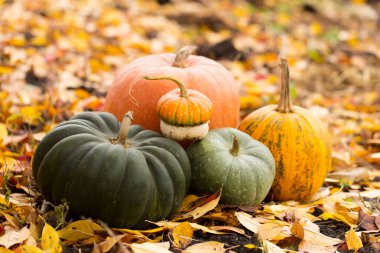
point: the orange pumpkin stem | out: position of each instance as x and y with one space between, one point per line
122 136
182 87
235 147
182 55
285 104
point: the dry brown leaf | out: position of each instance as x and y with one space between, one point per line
351 175
228 229
182 235
323 192
148 247
306 246
275 230
271 247
14 139
372 194
367 222
12 237
39 136
248 221
107 245
206 247
12 221
316 242
282 210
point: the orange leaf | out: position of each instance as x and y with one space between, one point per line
297 229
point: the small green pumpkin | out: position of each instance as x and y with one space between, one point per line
232 160
120 174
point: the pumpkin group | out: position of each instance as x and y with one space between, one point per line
298 141
131 92
184 113
231 160
121 174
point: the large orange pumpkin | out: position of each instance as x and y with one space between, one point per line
131 92
298 141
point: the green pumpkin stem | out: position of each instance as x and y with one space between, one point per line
182 55
182 87
285 104
122 136
235 147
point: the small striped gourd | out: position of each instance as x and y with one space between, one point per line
298 141
184 113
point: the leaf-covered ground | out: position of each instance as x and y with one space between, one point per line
58 58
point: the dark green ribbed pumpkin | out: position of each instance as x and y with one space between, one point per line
232 160
115 172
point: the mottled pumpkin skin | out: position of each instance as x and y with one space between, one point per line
245 179
131 92
193 110
300 145
123 186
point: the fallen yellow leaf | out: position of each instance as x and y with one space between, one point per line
182 235
353 241
31 114
250 246
335 216
50 239
30 249
6 69
79 230
3 131
5 250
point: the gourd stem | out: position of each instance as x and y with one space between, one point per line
235 147
122 136
182 55
285 104
182 87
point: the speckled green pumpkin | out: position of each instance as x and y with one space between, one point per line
232 160
81 161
